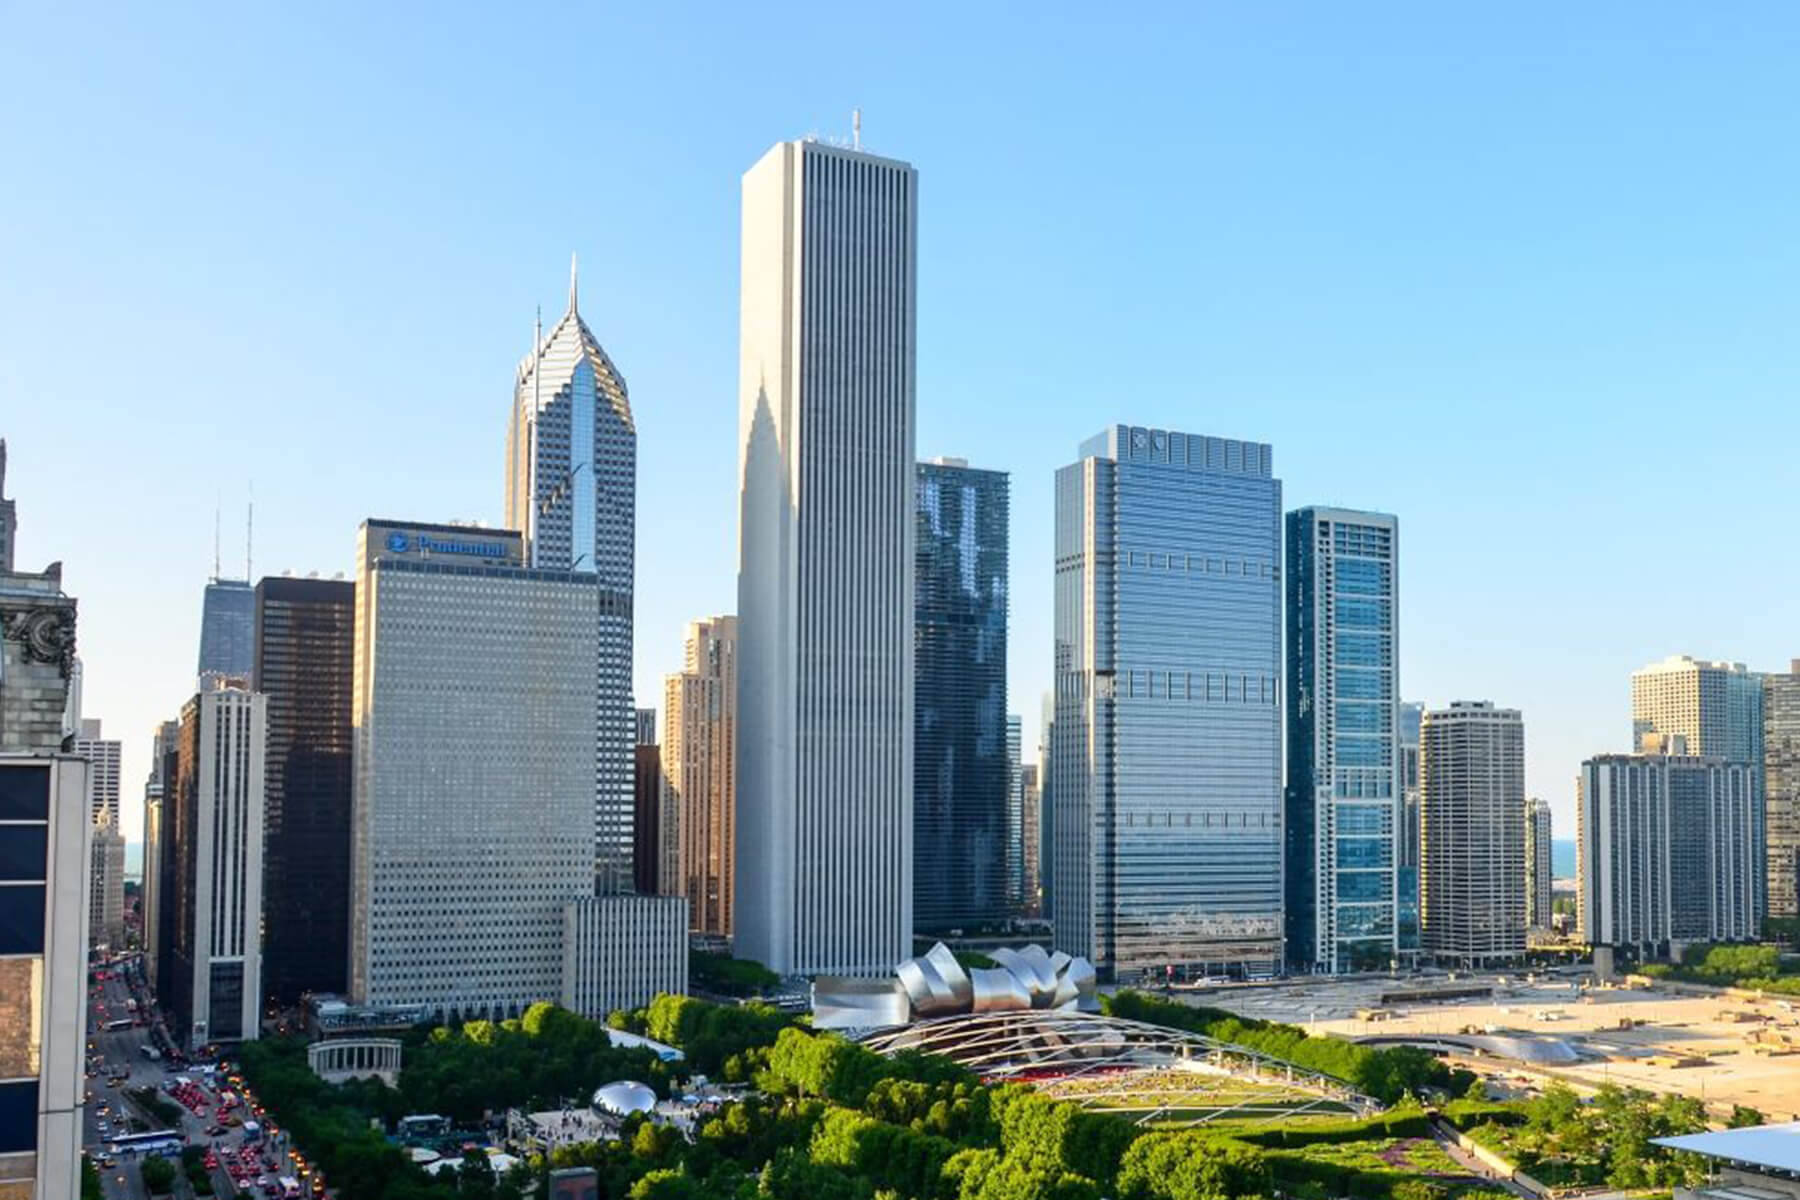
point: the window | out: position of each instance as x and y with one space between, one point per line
1353 886
1360 577
25 793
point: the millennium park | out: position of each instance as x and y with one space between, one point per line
962 1077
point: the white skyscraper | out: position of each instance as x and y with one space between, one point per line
472 706
825 580
571 490
103 774
216 837
106 870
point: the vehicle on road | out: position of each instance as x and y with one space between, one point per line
149 1052
153 1141
121 1023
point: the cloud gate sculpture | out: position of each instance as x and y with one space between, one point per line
935 985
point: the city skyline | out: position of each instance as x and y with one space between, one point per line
1560 344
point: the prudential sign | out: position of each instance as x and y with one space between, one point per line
401 543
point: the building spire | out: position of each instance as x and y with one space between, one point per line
571 281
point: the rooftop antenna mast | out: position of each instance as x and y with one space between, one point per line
856 128
249 526
215 574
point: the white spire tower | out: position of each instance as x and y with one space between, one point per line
571 490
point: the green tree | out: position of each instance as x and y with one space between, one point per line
1743 1117
158 1176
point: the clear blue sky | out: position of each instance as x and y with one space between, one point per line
1526 278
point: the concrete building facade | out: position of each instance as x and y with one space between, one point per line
1668 852
700 771
215 842
474 700
45 832
620 952
1472 840
827 383
1539 865
1781 790
44 848
103 772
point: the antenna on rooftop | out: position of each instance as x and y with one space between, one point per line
856 128
249 526
215 538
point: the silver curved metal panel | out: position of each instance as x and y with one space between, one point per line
858 1003
998 990
951 972
934 985
1031 965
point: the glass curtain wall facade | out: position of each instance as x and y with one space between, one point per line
1406 840
1344 797
571 490
228 629
965 747
305 646
1166 755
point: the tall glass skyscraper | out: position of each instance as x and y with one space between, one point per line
571 490
228 628
305 644
965 747
1166 764
1343 791
827 384
1406 838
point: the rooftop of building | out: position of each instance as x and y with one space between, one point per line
1768 1147
1686 662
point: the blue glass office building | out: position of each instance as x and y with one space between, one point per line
1344 797
1166 752
962 768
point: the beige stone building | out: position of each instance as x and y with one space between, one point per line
699 772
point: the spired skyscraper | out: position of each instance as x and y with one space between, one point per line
825 560
966 841
1344 798
571 491
1166 763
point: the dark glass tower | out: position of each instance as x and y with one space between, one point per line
961 772
227 628
305 639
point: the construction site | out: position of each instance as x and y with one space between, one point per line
1524 1030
